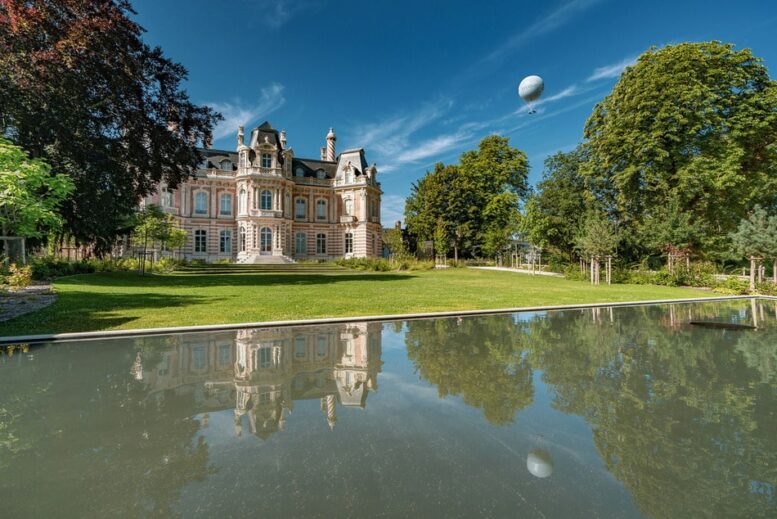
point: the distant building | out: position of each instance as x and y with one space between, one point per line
261 204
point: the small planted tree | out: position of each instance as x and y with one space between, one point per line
155 226
756 239
597 240
30 196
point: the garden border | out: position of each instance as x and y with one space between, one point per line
147 332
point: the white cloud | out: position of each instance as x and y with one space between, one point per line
545 25
237 113
276 13
392 209
612 70
432 147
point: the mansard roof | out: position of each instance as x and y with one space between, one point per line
312 165
265 129
214 157
356 158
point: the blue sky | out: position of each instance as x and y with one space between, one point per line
417 82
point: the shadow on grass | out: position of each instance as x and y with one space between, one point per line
77 311
183 280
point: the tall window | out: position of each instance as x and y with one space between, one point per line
265 200
225 205
321 346
225 242
299 208
321 209
300 241
348 243
300 347
348 206
242 239
201 203
265 357
320 243
167 198
200 240
265 237
266 160
199 357
242 201
349 176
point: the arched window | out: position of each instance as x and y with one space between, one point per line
321 209
201 203
321 174
265 200
300 241
242 201
348 206
242 239
299 172
225 206
226 165
299 209
265 237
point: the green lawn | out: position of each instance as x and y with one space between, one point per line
125 300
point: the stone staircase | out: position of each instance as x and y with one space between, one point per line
257 259
261 268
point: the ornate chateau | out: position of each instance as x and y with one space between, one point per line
261 204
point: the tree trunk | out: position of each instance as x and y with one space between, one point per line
752 272
774 271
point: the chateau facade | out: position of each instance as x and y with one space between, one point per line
261 204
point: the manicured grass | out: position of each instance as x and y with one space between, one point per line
126 300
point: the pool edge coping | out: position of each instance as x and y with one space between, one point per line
147 332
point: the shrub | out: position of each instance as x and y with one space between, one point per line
733 285
767 288
384 265
19 276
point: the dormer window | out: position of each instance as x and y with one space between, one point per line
266 160
349 176
204 164
226 165
320 174
299 172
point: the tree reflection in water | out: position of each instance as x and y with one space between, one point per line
686 418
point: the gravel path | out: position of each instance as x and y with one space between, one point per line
26 300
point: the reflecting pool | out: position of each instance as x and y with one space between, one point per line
606 412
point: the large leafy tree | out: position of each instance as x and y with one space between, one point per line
476 200
29 195
553 213
695 123
80 88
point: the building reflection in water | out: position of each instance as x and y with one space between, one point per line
262 372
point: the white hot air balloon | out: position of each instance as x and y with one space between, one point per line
540 463
530 89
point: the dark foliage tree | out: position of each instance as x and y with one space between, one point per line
695 123
80 88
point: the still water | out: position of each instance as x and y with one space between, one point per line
624 412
